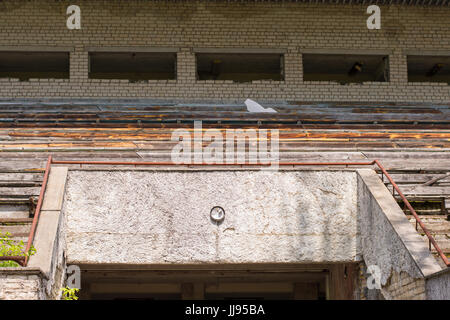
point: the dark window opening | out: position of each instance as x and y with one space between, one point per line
24 65
345 68
240 67
133 66
429 69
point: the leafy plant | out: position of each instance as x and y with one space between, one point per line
69 293
10 247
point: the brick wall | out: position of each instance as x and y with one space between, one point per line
20 286
188 24
400 286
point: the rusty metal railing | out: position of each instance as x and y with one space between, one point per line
23 260
384 172
414 213
38 208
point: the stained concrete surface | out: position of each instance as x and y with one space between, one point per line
156 217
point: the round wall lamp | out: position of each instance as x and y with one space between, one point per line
217 214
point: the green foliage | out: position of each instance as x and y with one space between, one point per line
69 293
10 247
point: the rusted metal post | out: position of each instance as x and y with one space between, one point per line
38 209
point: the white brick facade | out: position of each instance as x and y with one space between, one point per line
188 25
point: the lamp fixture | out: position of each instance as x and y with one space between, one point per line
217 214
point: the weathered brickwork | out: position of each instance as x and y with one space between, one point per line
400 286
20 286
403 287
23 284
187 25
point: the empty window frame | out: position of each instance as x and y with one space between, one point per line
345 68
25 65
133 66
240 67
428 68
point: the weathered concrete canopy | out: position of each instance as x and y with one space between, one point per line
164 217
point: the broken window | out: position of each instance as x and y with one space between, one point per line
345 68
240 67
428 68
25 65
133 66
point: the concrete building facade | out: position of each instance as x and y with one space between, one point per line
340 93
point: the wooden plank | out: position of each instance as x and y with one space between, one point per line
22 176
223 114
19 184
436 179
27 191
443 242
97 134
20 230
341 281
416 164
68 155
415 178
231 112
407 155
430 217
419 190
17 166
434 225
17 239
4 221
92 133
14 211
300 156
424 212
14 201
222 124
148 106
